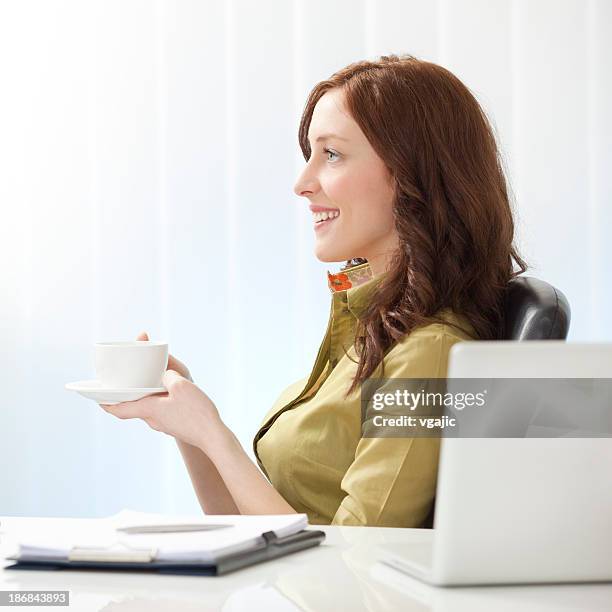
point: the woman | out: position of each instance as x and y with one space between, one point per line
404 181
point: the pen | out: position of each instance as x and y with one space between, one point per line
172 528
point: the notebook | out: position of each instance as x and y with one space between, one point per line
212 545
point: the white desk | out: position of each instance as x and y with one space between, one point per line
341 574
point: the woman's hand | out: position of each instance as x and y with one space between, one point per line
188 414
185 412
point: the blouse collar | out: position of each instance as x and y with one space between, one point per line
355 286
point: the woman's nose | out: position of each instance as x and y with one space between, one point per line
306 183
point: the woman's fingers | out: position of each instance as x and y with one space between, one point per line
173 363
142 336
124 410
138 409
172 379
178 366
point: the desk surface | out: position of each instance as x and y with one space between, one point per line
342 574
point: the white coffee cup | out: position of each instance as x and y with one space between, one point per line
137 364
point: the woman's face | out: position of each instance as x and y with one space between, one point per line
349 188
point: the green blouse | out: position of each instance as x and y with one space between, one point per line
310 443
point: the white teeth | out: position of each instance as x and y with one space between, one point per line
323 216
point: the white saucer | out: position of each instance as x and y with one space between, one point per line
93 390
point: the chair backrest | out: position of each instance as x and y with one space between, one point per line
535 310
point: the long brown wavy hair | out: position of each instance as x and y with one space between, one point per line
452 210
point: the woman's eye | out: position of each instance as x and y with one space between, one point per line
330 152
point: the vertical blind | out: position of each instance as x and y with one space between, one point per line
147 161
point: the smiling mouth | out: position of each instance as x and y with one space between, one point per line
325 218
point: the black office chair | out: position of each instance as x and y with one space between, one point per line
535 310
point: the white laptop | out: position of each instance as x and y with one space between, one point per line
511 510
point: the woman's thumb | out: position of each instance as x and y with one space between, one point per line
143 336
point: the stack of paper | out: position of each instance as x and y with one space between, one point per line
113 538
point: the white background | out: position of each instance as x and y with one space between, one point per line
147 156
